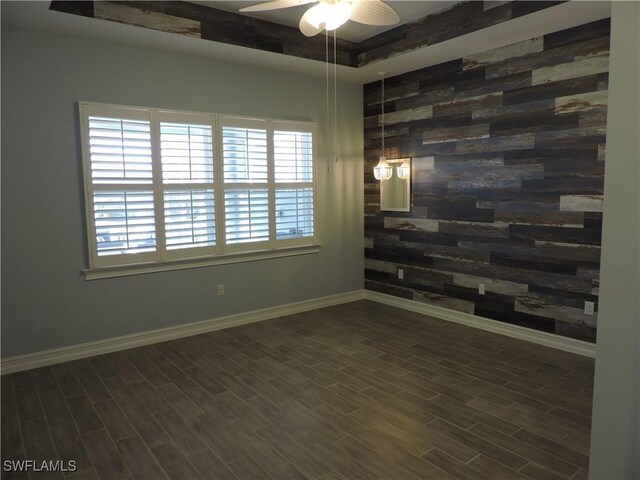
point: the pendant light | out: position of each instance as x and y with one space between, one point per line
403 171
383 170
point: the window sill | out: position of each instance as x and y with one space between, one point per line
144 268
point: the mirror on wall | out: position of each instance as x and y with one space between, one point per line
395 192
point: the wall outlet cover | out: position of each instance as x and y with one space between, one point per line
589 308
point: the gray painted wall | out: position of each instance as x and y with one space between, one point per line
46 303
615 428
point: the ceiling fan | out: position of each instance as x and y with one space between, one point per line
330 14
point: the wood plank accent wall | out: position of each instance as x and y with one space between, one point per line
212 24
208 23
461 19
508 152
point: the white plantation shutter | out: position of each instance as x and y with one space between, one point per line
187 159
268 184
125 222
120 150
189 217
293 166
293 156
187 153
247 215
245 158
294 213
119 185
245 155
164 185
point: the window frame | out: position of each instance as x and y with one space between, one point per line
101 266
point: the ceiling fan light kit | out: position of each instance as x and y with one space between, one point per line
331 14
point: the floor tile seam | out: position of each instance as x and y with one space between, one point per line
104 427
486 440
540 451
153 457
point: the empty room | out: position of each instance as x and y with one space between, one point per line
320 239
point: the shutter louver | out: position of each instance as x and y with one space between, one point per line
124 221
293 154
245 155
294 213
187 153
189 217
246 215
120 151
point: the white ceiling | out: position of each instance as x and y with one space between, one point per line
408 11
35 15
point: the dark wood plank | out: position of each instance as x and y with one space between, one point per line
94 386
38 444
11 435
121 392
55 408
146 425
180 432
209 465
84 414
173 462
28 401
105 456
67 380
114 420
70 446
139 459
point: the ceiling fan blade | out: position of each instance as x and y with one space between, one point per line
275 5
307 28
373 12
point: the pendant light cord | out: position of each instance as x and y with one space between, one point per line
332 145
382 120
335 92
326 62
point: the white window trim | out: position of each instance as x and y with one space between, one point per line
165 260
153 267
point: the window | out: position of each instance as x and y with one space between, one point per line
163 186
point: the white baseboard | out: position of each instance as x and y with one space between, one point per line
543 338
74 352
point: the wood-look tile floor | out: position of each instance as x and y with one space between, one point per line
355 391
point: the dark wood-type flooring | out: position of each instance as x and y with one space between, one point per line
355 391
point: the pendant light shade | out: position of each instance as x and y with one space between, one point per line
403 171
383 170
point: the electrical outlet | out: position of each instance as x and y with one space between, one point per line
481 288
589 308
400 274
220 290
